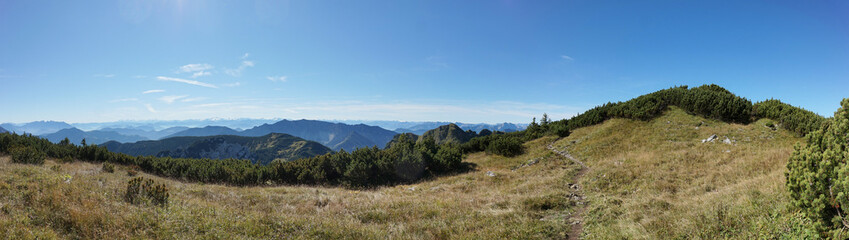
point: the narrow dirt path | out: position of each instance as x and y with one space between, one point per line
577 217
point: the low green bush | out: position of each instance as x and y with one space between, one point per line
108 167
140 191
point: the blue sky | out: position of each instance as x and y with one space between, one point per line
468 61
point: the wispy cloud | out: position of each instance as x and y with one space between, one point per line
208 105
201 74
277 78
153 91
192 82
246 55
171 99
567 58
150 108
238 71
124 100
104 75
194 99
235 84
195 67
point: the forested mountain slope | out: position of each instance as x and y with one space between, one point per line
353 141
261 150
449 133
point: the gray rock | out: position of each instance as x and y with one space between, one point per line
710 139
490 174
726 141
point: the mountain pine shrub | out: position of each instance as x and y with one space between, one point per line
140 190
28 155
108 167
794 119
818 176
506 146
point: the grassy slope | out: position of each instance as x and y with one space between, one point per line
656 180
36 202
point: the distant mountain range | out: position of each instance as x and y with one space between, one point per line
36 128
337 136
262 149
421 128
284 140
204 131
154 125
144 132
76 136
2 130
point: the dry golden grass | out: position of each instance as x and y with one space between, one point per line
37 203
657 180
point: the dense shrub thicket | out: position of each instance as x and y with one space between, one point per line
485 143
818 176
27 154
794 119
508 147
709 101
403 162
